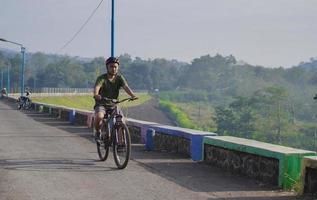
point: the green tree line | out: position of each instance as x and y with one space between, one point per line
270 104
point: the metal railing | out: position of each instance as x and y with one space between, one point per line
46 91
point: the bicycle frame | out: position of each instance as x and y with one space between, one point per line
111 120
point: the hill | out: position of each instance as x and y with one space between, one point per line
149 111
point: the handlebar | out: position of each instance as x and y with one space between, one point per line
116 101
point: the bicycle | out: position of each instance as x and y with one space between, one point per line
114 132
24 102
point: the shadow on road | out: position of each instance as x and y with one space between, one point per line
74 165
81 131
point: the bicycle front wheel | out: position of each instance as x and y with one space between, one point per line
103 144
121 145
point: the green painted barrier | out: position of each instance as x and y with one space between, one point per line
290 159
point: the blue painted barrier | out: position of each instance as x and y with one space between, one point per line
194 136
71 116
149 146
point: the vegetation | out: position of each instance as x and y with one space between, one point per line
177 114
216 93
86 102
79 102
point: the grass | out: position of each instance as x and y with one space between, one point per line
177 114
87 102
201 113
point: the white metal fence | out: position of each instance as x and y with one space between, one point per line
62 91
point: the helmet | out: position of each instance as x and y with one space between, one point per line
112 60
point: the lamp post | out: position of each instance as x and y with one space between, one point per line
112 29
8 80
2 79
23 62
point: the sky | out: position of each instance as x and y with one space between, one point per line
270 33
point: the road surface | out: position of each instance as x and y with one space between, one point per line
44 158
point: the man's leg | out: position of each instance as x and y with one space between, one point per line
99 115
98 121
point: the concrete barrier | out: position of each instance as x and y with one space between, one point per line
266 162
309 175
175 139
74 116
150 133
286 167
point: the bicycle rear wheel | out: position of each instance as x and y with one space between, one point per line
28 104
103 143
121 145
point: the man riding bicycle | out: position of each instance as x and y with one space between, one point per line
107 86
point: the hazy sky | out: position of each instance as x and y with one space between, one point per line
270 33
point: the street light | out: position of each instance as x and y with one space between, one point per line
23 62
1 78
8 79
112 29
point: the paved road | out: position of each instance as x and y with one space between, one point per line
45 158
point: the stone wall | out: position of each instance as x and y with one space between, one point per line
262 168
80 119
135 133
64 115
311 180
55 112
169 143
46 109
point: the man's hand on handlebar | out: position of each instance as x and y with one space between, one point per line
116 101
97 97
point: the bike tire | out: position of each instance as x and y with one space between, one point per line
28 105
103 149
121 156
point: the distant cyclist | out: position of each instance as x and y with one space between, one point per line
25 98
3 92
107 86
24 101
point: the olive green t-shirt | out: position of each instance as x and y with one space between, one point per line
109 89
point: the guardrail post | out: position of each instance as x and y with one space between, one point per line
41 108
71 116
196 147
59 113
149 145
